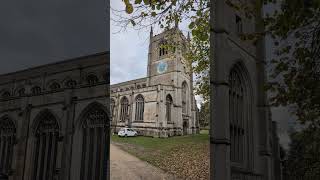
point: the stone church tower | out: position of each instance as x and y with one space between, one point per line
167 65
167 105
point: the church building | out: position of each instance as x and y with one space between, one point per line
54 120
162 104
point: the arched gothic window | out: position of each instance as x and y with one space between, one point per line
92 79
139 108
112 104
46 145
163 50
124 109
93 143
240 116
36 90
184 97
7 141
168 107
54 86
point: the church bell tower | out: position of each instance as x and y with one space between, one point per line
167 63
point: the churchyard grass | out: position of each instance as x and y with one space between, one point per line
184 156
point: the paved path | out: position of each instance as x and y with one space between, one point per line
124 166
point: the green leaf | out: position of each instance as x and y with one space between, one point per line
153 14
129 8
146 2
191 25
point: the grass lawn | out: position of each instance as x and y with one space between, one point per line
185 156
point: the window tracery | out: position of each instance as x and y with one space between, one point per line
139 108
124 109
93 140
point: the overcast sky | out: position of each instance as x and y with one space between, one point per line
36 32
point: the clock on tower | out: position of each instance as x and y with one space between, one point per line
162 67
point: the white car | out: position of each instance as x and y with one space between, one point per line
126 132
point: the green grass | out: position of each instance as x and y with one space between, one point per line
204 131
176 154
162 143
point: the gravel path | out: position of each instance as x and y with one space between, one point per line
124 166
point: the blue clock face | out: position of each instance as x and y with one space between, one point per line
162 67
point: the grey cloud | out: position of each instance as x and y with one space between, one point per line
38 32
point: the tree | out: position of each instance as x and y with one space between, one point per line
294 76
294 80
303 160
204 114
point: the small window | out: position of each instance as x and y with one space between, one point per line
71 84
92 79
36 90
163 50
55 86
239 24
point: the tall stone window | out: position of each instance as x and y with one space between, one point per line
240 117
124 108
93 143
112 106
46 143
184 97
139 108
168 107
7 141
